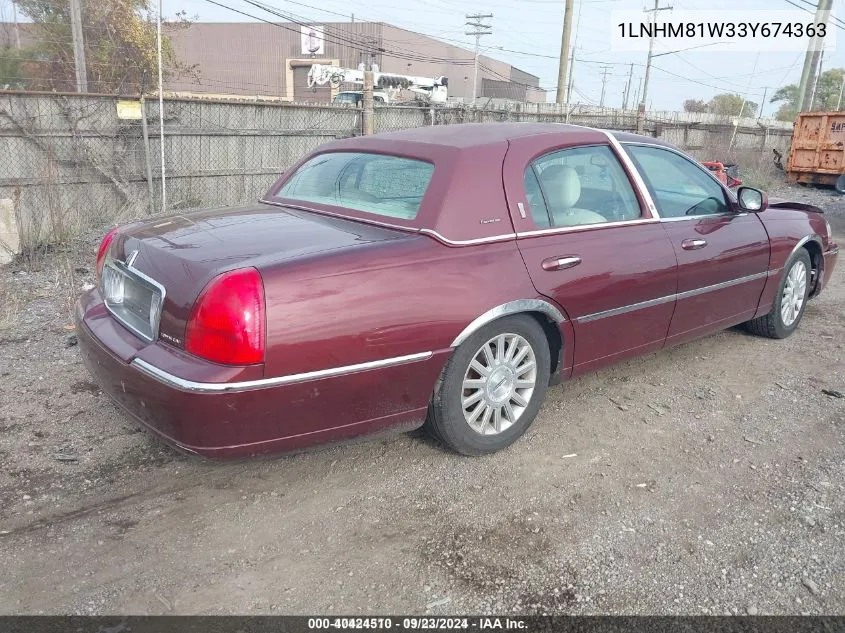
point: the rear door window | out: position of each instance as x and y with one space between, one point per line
381 184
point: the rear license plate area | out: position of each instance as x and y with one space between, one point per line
132 298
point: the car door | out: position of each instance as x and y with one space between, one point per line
723 253
589 242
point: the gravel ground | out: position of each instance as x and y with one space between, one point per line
703 479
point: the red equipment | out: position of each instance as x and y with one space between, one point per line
725 173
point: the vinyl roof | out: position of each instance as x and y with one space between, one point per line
473 134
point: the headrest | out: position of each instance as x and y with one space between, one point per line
562 186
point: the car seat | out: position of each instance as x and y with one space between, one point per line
562 187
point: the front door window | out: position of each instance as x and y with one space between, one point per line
680 188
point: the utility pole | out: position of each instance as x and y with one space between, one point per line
637 93
569 86
763 102
841 88
479 28
603 84
811 57
368 112
644 98
572 62
78 46
564 51
628 86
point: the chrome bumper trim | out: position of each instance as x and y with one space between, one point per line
249 385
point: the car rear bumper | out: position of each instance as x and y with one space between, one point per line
219 411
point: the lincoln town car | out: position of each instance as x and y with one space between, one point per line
444 276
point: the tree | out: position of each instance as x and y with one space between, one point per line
14 68
731 105
726 104
120 45
826 97
695 105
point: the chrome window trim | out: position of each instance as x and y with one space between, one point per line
585 227
132 271
408 229
677 296
301 207
249 385
505 309
480 240
704 216
634 173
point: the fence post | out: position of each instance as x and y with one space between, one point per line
369 109
147 155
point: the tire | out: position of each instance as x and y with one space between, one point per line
518 405
774 324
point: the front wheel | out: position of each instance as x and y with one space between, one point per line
790 301
492 387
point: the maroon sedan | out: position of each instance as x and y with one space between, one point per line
443 275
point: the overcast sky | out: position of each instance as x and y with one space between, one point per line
533 28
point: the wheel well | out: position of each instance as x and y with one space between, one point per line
817 263
553 336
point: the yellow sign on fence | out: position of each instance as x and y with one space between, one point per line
129 110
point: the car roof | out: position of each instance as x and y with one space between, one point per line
460 135
464 135
630 137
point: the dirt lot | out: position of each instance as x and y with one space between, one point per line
715 485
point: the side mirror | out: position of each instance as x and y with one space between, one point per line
751 199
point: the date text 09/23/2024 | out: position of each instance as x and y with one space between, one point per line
419 623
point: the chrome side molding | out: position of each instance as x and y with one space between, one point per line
511 307
673 297
249 385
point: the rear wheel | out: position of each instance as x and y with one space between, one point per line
790 301
492 387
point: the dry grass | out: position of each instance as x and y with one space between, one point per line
756 167
11 305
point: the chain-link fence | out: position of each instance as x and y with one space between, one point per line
72 162
69 162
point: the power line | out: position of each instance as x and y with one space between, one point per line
838 23
354 44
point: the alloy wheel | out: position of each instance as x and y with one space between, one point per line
794 290
498 384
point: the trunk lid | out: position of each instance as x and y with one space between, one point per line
183 253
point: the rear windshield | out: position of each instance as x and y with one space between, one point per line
376 183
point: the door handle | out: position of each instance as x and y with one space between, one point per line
693 244
559 263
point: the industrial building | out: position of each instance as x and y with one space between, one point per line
248 58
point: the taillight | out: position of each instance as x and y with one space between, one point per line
104 248
227 322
